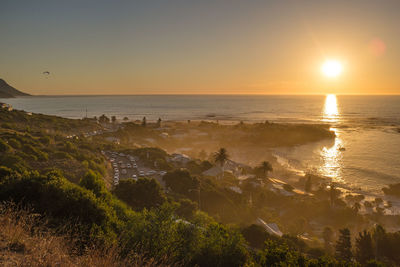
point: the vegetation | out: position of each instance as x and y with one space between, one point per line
63 179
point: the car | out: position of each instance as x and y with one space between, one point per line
129 165
135 166
162 173
132 159
115 164
116 170
141 173
134 176
121 154
116 182
123 171
112 159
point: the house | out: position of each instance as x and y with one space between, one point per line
271 228
180 158
236 189
112 139
229 166
164 135
6 106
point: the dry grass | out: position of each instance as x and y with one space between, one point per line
26 241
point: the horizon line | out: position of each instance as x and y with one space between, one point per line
320 94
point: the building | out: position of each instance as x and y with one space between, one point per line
5 106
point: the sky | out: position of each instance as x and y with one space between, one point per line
199 47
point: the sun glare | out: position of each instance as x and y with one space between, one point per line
332 68
331 109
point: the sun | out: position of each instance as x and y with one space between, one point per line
332 68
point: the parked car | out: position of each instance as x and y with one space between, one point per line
128 165
134 176
151 172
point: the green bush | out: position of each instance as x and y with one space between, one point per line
94 183
4 147
63 201
14 143
140 194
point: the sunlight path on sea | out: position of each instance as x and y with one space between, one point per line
331 156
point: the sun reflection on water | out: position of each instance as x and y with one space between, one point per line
331 156
331 111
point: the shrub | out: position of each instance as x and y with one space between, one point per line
4 147
140 194
62 155
14 143
63 201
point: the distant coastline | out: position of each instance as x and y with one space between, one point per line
7 91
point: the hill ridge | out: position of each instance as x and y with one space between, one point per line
7 91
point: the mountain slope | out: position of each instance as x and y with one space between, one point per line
7 91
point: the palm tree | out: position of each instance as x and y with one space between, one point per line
265 167
221 157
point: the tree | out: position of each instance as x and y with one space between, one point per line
343 245
94 183
380 239
140 194
327 235
158 123
255 235
4 147
308 184
144 122
364 247
378 201
104 119
186 208
265 167
181 182
221 157
126 119
113 119
356 206
333 193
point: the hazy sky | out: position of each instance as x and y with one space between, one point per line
199 47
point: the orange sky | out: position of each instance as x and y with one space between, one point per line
229 47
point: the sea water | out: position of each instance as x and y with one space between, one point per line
364 155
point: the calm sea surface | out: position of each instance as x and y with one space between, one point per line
365 154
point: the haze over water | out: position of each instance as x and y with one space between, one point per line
364 154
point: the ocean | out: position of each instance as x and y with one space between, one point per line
365 154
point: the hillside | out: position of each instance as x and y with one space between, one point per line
7 91
62 207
